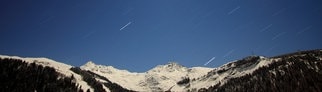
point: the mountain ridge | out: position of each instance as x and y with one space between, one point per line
154 78
175 77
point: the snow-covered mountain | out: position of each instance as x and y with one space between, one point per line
253 73
58 66
160 78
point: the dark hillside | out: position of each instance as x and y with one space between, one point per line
295 72
19 76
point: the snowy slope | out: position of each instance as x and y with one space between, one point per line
228 71
60 67
160 78
165 77
122 77
168 76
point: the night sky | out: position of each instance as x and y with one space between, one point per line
139 34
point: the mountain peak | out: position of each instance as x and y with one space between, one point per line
89 63
173 64
169 67
252 70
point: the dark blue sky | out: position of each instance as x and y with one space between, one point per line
139 34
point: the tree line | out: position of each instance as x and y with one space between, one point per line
19 76
293 73
89 77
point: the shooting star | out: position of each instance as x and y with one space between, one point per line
213 58
125 25
267 27
47 20
128 11
227 54
232 11
278 12
278 35
88 34
305 29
